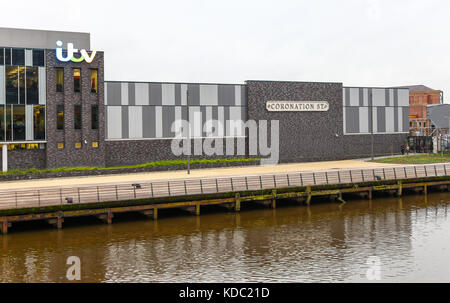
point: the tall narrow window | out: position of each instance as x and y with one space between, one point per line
12 85
39 122
22 95
94 116
8 123
60 117
7 56
32 85
77 116
94 81
77 80
2 123
18 56
59 80
19 122
2 56
38 57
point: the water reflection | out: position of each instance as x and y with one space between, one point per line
321 243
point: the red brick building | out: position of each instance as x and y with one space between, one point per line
419 97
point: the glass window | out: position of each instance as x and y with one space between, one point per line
60 116
77 116
19 122
8 123
78 145
95 144
7 56
60 145
2 56
32 85
2 123
18 56
39 122
77 80
12 84
22 95
94 116
59 80
94 81
38 57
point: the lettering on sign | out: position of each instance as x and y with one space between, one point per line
297 106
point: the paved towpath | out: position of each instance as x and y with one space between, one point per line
195 174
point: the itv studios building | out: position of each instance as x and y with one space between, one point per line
56 109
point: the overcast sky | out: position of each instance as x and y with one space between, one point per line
357 42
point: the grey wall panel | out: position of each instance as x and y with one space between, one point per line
375 120
396 119
155 94
177 94
131 94
395 92
142 93
168 117
381 119
114 93
221 118
2 85
354 96
125 122
194 94
361 96
352 120
184 89
42 86
209 94
405 120
387 97
379 97
203 112
227 130
346 94
148 122
228 94
244 100
168 94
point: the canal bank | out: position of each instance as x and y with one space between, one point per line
149 199
326 242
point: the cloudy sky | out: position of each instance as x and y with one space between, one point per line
357 42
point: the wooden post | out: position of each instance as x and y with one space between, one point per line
155 214
400 189
110 217
370 194
425 190
4 226
197 209
237 206
274 199
308 200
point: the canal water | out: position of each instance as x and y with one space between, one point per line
408 237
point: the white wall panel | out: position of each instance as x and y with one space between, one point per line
142 97
158 122
135 122
29 123
184 89
400 120
2 84
379 97
238 95
42 86
124 94
375 120
114 122
390 120
354 96
403 97
209 95
28 57
168 94
364 120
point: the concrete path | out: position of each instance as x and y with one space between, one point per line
198 173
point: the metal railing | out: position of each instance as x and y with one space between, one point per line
41 197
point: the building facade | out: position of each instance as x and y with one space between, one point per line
57 110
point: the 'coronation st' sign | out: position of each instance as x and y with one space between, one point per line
297 106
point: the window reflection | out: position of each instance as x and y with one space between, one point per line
60 117
19 123
77 80
94 81
77 116
12 84
59 80
39 122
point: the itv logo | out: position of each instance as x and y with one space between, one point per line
71 51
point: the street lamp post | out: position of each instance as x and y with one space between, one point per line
371 124
188 134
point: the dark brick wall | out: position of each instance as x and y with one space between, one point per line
313 136
25 159
70 156
138 152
